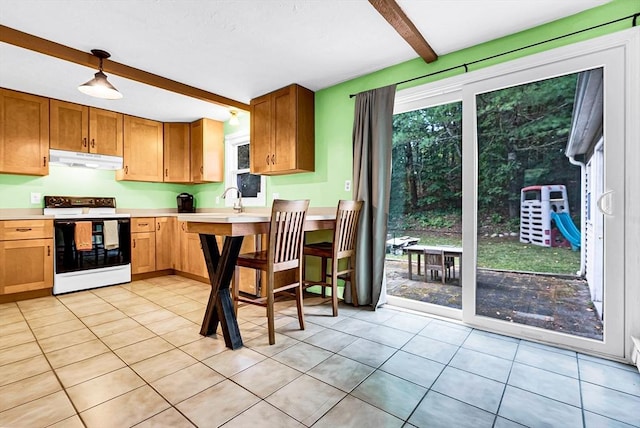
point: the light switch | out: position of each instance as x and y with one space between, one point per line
36 197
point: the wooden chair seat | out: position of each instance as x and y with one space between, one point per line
255 260
281 262
342 247
318 249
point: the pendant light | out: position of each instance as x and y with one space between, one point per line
233 120
99 86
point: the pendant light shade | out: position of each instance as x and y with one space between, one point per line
99 86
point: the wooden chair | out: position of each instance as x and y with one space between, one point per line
434 261
281 261
342 247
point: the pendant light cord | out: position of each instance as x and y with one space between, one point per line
467 64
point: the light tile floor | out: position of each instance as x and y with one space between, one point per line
132 355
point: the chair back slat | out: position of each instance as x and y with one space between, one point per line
286 232
346 231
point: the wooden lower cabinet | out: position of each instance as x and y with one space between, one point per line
26 256
27 265
191 256
143 252
143 245
165 243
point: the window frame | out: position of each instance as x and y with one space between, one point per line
232 142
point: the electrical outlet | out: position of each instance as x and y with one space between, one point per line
276 196
36 197
347 185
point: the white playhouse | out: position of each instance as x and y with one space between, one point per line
539 206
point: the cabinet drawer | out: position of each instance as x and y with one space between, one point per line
11 230
142 224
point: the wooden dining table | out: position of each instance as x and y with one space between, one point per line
448 251
221 262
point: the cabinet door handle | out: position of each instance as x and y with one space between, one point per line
23 229
143 224
182 226
84 142
48 251
273 159
93 143
126 169
267 159
44 161
134 243
166 172
202 170
158 225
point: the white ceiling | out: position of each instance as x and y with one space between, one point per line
241 49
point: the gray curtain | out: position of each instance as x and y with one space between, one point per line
372 133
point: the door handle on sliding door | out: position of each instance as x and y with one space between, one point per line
600 204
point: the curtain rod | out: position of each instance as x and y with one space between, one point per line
467 64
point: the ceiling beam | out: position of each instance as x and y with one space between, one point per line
47 47
391 11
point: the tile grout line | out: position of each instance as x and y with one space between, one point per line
117 356
44 354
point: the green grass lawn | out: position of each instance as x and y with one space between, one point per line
511 254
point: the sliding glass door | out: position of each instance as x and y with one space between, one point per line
542 203
547 214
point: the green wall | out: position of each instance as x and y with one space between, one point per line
334 121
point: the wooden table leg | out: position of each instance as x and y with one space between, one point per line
220 306
409 258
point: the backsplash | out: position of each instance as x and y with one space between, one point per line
68 181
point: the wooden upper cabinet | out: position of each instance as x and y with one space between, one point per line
69 126
79 128
105 132
177 150
142 150
207 151
24 133
261 140
283 132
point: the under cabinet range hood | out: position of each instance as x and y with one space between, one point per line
86 160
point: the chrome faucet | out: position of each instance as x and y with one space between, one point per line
237 205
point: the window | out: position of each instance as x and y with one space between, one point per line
251 186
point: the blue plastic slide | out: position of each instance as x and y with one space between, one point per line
567 228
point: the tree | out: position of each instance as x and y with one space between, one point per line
520 129
427 148
522 134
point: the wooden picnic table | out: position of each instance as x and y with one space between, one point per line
449 251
